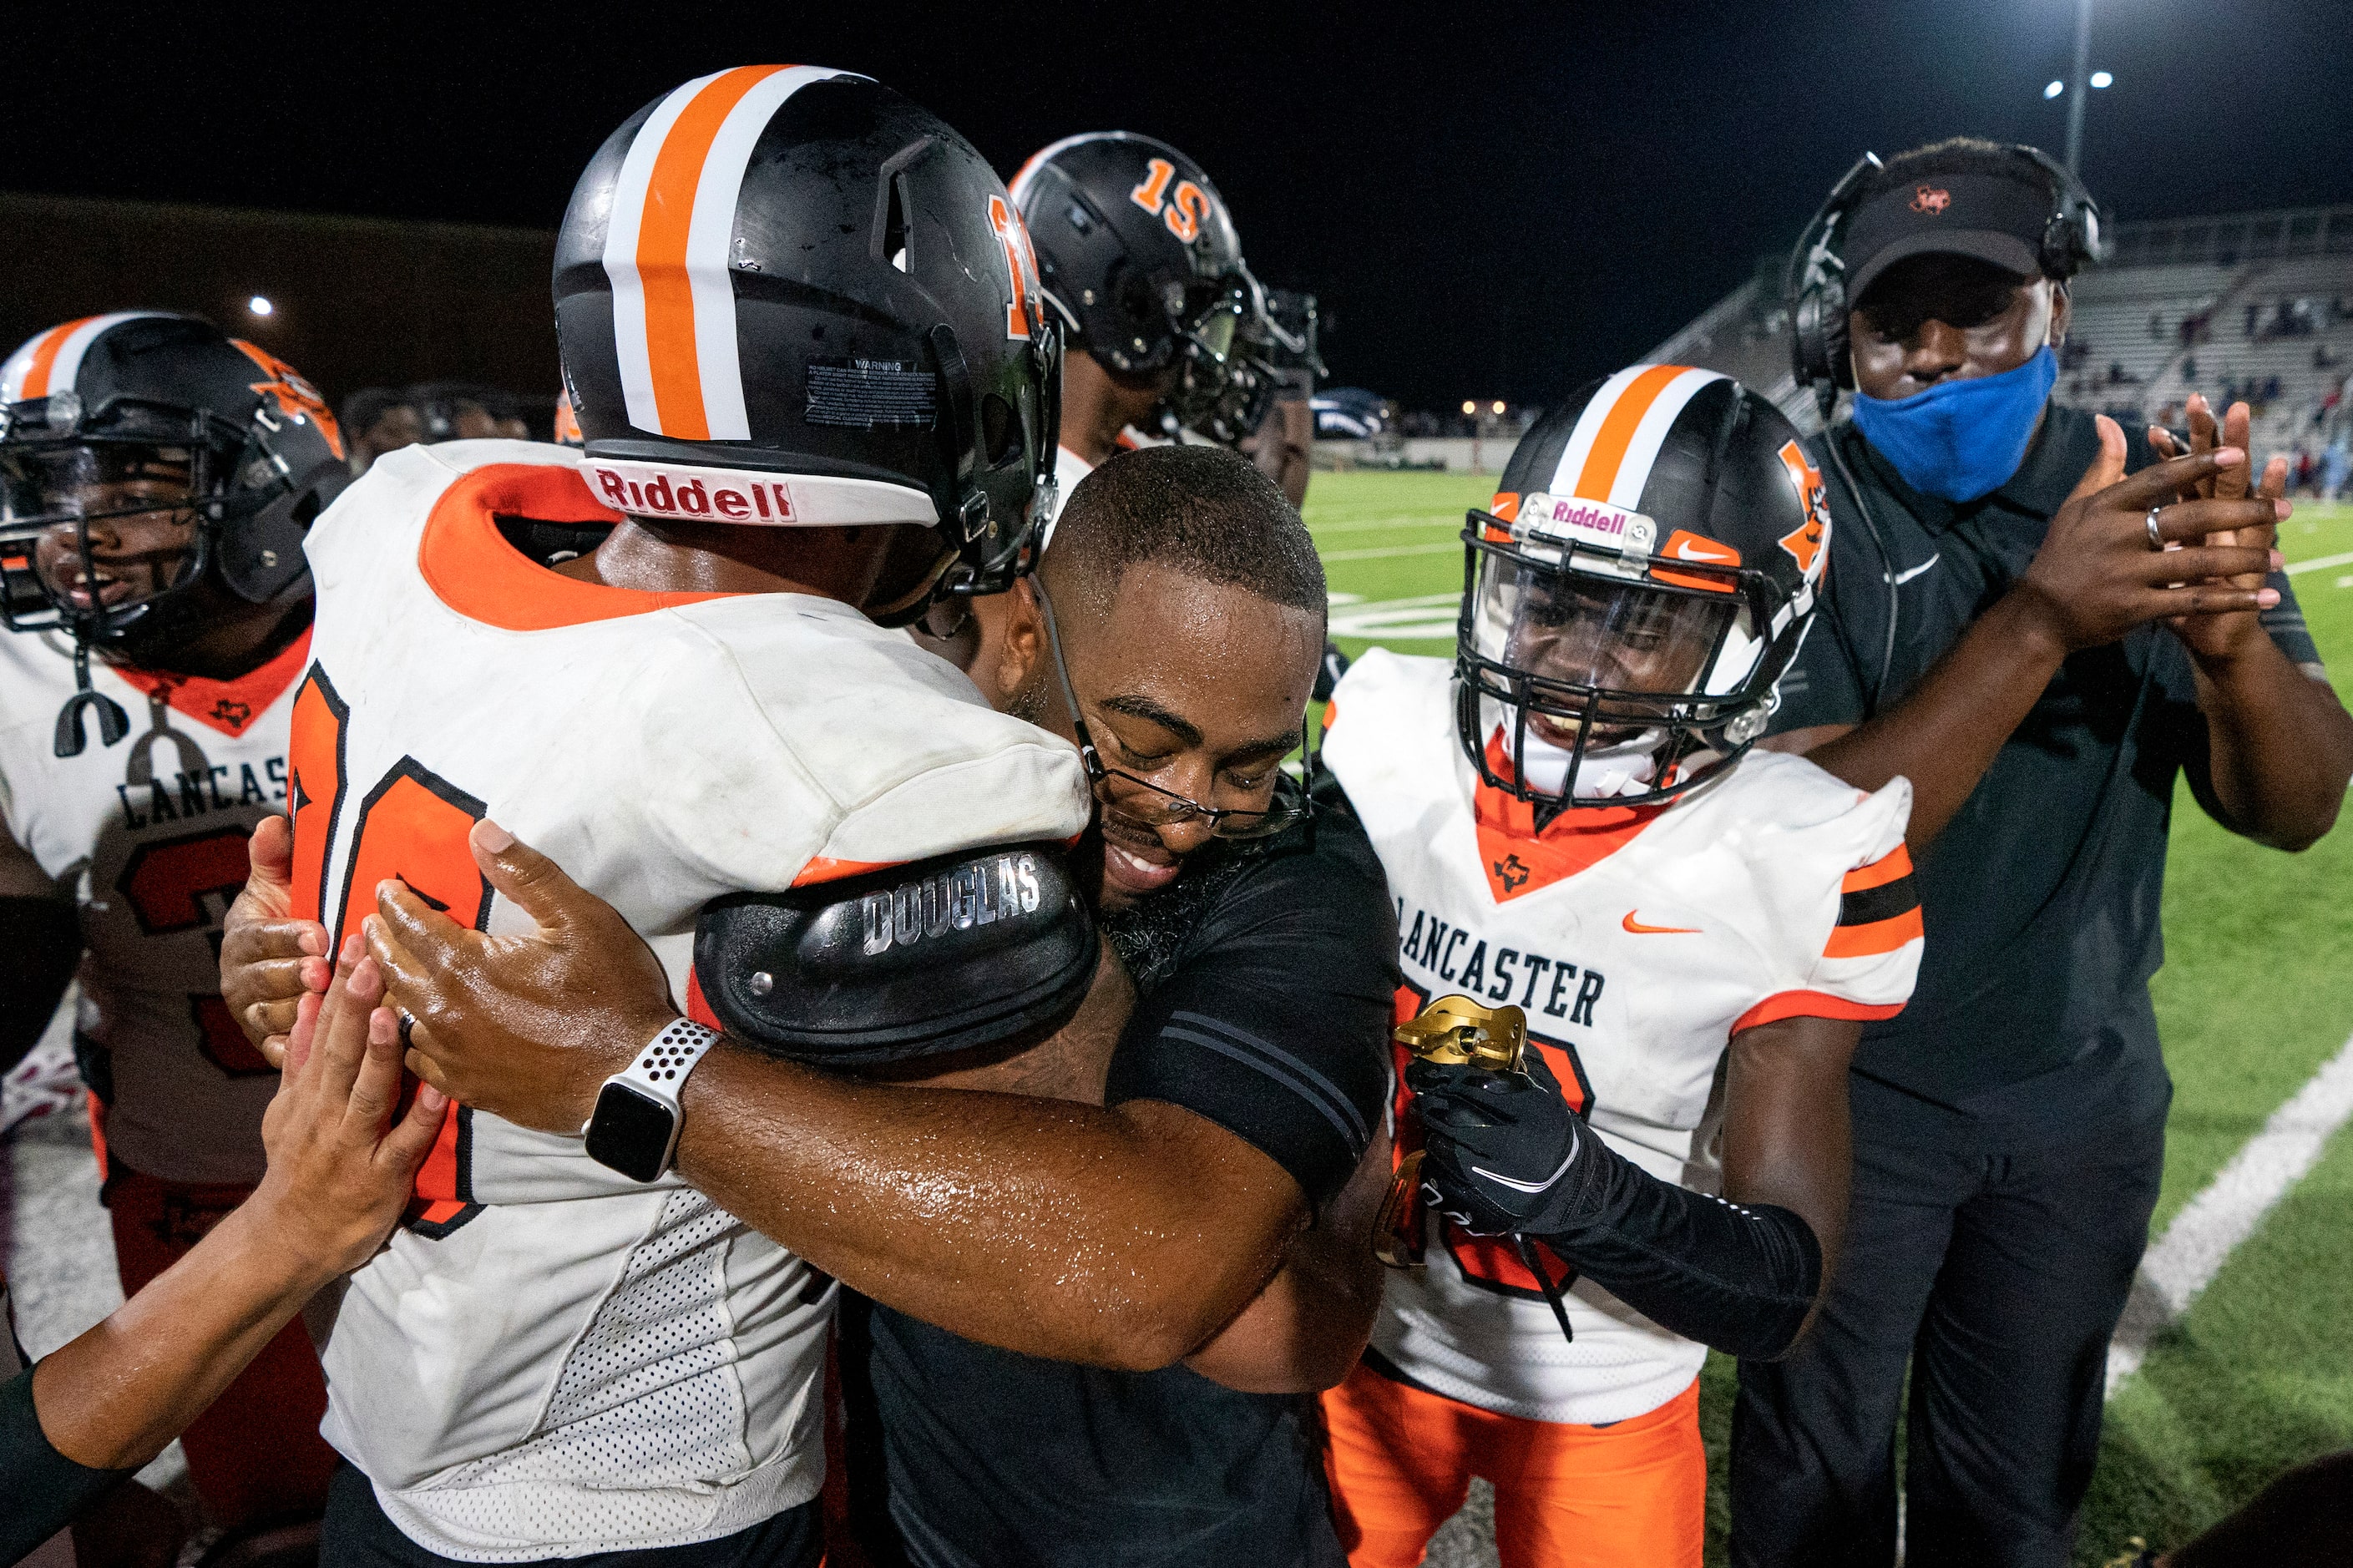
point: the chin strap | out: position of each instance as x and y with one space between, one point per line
113 724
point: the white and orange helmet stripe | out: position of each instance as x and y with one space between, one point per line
1617 437
666 249
48 361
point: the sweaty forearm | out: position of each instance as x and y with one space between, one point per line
1306 1330
1948 729
1738 1280
2279 746
111 1398
1120 1238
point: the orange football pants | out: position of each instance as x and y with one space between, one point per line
255 1456
1632 1494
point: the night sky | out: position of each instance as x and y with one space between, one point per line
1492 201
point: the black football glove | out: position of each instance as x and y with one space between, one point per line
1505 1151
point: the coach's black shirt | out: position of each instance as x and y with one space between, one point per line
2040 899
1264 987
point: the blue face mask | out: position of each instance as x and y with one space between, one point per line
1961 439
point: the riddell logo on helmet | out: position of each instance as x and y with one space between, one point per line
703 495
1596 521
1931 199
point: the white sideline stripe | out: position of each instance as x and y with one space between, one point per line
1388 550
2318 561
2203 1237
1399 520
1426 617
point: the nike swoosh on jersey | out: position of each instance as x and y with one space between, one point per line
1638 928
1903 577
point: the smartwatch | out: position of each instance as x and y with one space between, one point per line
635 1127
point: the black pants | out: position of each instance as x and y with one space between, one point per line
2001 1278
358 1535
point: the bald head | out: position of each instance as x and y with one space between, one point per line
1197 512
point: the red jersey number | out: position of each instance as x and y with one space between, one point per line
187 884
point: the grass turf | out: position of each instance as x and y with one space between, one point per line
2255 994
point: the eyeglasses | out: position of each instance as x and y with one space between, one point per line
1142 802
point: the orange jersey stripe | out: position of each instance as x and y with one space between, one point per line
1811 1005
1617 431
45 359
675 366
1896 862
823 868
1879 936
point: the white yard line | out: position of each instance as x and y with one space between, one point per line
1401 520
1423 619
2318 561
2185 1259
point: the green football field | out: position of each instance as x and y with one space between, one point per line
2256 995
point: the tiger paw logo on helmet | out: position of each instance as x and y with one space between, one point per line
1804 543
1933 199
296 398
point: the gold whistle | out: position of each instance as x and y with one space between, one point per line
1457 1030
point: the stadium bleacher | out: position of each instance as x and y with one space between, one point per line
2128 354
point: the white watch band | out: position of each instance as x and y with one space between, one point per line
635 1125
660 1069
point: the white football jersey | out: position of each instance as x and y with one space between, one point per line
1638 942
149 835
549 1359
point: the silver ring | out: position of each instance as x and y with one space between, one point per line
2156 540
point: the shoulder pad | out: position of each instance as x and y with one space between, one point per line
948 954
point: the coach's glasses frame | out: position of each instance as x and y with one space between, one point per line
1146 802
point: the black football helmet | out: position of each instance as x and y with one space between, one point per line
1636 589
787 296
1138 253
144 455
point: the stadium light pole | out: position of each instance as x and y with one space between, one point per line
2081 85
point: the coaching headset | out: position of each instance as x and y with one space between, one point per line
1813 287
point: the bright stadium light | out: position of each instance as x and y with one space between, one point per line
2102 79
259 305
1468 407
2054 89
1499 406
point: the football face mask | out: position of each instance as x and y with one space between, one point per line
1595 676
93 532
1223 387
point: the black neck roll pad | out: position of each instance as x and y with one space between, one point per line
954 953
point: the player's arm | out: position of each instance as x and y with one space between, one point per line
1308 1328
1786 1127
40 943
1505 1154
1123 1235
2094 579
75 1424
